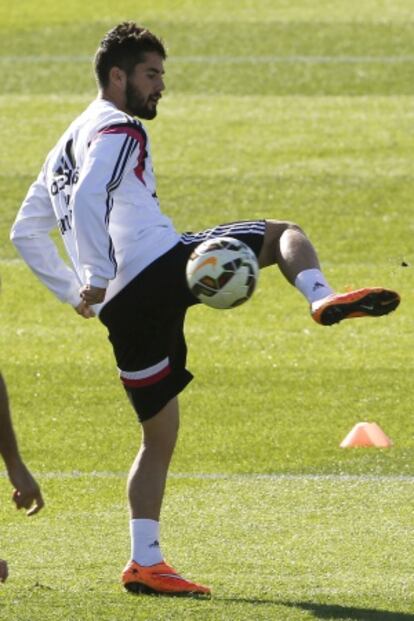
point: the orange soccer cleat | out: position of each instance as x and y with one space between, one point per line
160 579
369 302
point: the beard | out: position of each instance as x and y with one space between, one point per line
137 105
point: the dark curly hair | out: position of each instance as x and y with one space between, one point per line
124 46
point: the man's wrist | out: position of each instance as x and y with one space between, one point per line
98 282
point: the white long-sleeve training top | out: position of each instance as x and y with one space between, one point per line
97 186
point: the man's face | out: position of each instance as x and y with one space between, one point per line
144 86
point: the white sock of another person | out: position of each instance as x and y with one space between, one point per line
145 542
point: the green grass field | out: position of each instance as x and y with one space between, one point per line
295 110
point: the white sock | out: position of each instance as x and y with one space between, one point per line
312 284
145 542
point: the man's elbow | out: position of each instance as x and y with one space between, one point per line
19 234
16 233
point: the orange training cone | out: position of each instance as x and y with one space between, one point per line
366 434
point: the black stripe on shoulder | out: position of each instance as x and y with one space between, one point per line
134 125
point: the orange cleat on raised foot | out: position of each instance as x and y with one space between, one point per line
160 579
368 302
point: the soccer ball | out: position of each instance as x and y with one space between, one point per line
222 272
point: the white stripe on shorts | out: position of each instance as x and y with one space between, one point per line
224 230
148 372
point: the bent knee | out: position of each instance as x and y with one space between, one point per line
274 231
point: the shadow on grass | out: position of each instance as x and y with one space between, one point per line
331 611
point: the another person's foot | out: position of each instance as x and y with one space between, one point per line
368 302
4 572
160 579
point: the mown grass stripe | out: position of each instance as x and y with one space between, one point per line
245 477
225 59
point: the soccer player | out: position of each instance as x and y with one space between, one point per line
128 266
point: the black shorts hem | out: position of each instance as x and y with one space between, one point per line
147 402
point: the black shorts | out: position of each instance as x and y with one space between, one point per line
146 320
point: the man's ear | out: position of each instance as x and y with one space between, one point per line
117 77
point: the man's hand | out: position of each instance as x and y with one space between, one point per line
27 494
84 310
92 295
3 571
